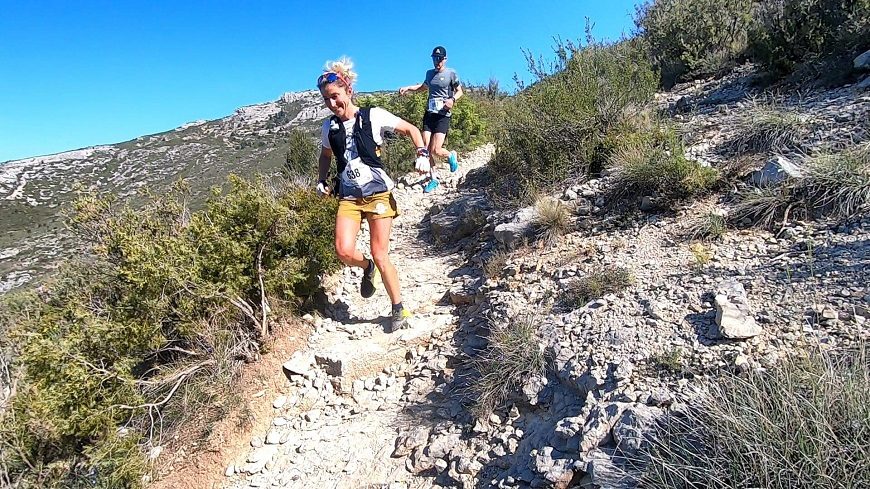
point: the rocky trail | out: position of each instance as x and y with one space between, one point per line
347 392
363 408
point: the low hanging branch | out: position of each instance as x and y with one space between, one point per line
180 376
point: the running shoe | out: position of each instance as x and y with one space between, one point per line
400 320
370 277
454 165
431 186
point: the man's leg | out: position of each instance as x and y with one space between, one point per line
436 146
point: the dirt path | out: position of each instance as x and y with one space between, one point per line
336 423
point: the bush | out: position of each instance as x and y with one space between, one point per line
596 284
163 310
559 126
802 424
836 184
654 162
691 38
513 356
303 150
786 33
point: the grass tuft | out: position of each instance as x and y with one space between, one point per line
711 225
494 265
513 356
668 361
766 127
802 424
552 219
596 284
655 163
835 185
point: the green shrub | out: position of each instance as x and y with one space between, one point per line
802 424
559 125
789 32
654 162
690 38
836 184
163 310
303 150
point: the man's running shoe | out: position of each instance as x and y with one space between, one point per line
432 185
454 165
370 277
400 320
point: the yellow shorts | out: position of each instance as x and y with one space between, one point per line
377 206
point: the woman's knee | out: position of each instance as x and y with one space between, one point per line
344 250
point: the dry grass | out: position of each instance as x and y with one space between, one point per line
835 185
596 284
701 255
766 127
802 424
552 219
711 225
494 265
513 356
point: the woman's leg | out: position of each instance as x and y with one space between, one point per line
346 230
380 240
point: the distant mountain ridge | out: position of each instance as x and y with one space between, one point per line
34 191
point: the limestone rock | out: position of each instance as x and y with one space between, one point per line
862 62
776 170
406 443
633 429
734 318
461 218
521 228
298 364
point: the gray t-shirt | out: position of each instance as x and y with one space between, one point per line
441 87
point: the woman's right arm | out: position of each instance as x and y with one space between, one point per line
323 162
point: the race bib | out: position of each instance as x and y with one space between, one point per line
436 104
356 174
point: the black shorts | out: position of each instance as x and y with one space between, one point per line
436 123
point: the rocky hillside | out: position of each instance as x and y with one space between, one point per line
632 318
35 191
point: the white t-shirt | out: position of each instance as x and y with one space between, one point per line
358 179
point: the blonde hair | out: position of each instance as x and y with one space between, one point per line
344 67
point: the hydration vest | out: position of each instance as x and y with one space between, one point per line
369 152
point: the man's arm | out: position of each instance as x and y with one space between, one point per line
413 88
449 103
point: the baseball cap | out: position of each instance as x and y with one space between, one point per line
439 51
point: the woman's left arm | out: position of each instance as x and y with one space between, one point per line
405 128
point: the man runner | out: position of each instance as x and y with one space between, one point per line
444 90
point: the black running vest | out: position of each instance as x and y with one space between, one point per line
369 152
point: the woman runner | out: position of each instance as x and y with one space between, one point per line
354 136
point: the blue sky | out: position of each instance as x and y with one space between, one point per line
81 73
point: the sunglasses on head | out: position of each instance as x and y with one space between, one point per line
330 77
